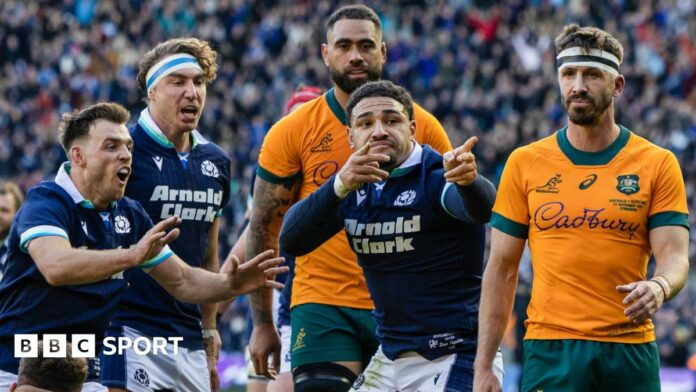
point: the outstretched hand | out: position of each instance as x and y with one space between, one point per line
254 274
362 167
154 240
460 163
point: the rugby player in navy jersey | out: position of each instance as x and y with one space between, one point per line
76 242
176 171
415 221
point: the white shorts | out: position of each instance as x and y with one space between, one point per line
6 379
186 371
285 333
413 373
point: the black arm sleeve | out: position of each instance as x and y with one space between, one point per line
471 204
312 221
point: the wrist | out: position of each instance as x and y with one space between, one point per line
339 188
263 320
664 285
209 333
133 257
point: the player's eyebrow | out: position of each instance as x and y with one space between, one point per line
339 41
182 76
125 140
386 111
364 114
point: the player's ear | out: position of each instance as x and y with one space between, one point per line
412 127
325 53
384 52
77 156
350 138
151 94
619 83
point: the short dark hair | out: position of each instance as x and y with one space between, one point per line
356 11
10 188
380 88
76 124
56 374
588 37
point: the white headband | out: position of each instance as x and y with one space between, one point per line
578 57
168 65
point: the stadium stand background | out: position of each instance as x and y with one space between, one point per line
483 68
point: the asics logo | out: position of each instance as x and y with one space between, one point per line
588 181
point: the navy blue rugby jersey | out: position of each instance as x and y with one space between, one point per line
28 304
423 266
196 190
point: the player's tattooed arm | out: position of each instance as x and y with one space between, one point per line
211 338
211 263
269 205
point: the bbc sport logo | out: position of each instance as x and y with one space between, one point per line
84 345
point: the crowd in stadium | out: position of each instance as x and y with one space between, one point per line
485 70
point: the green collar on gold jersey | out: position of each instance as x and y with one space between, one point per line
592 158
335 106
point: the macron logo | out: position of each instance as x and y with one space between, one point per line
158 162
360 196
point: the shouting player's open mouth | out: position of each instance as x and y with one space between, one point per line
123 174
190 112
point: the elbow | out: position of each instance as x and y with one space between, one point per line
478 217
485 215
288 240
291 246
56 278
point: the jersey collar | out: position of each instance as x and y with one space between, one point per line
410 163
598 158
335 106
151 129
64 181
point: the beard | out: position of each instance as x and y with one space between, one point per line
590 115
390 164
348 84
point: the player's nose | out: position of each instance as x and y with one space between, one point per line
378 131
190 89
125 154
